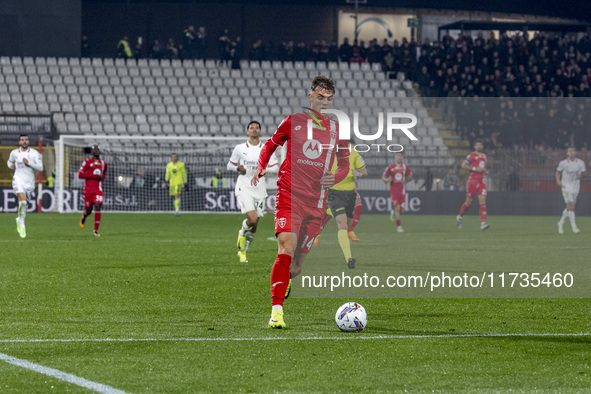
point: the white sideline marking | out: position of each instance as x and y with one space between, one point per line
344 337
66 377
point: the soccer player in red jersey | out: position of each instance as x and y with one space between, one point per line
397 175
93 171
302 186
476 163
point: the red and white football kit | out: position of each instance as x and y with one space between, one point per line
301 199
90 171
399 174
476 183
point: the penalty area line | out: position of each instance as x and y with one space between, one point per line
60 375
340 338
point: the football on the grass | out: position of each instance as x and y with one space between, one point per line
351 317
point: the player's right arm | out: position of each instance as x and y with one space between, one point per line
559 174
558 177
234 162
11 161
82 171
168 174
279 138
386 175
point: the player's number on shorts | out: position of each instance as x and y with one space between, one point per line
98 198
307 244
261 205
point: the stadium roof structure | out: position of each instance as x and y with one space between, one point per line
515 26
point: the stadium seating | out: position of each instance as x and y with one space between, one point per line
150 97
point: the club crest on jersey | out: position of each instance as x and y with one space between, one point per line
281 222
312 149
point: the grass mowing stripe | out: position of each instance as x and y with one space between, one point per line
66 377
253 339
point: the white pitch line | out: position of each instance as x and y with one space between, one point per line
66 377
344 337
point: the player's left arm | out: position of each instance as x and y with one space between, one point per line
360 170
184 173
407 175
36 161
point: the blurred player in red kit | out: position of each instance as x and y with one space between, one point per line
397 175
93 171
476 163
302 186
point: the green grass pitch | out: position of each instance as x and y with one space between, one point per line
200 317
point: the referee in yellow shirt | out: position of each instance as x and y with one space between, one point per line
176 181
341 200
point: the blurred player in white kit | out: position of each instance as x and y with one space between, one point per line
568 177
24 161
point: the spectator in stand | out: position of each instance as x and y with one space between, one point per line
424 80
172 52
189 42
345 51
315 51
324 50
201 43
123 49
85 50
138 52
333 52
236 53
224 43
157 51
388 62
257 51
300 53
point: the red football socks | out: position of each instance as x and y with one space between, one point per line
356 216
97 220
483 213
464 209
280 278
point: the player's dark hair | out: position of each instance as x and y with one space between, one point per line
477 141
323 82
174 154
254 122
23 135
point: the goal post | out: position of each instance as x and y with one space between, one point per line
136 168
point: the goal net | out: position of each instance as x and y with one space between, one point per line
136 169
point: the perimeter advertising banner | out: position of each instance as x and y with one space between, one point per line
374 202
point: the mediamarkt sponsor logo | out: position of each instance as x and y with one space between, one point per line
345 130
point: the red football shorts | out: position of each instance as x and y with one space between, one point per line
398 197
475 187
298 217
92 197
